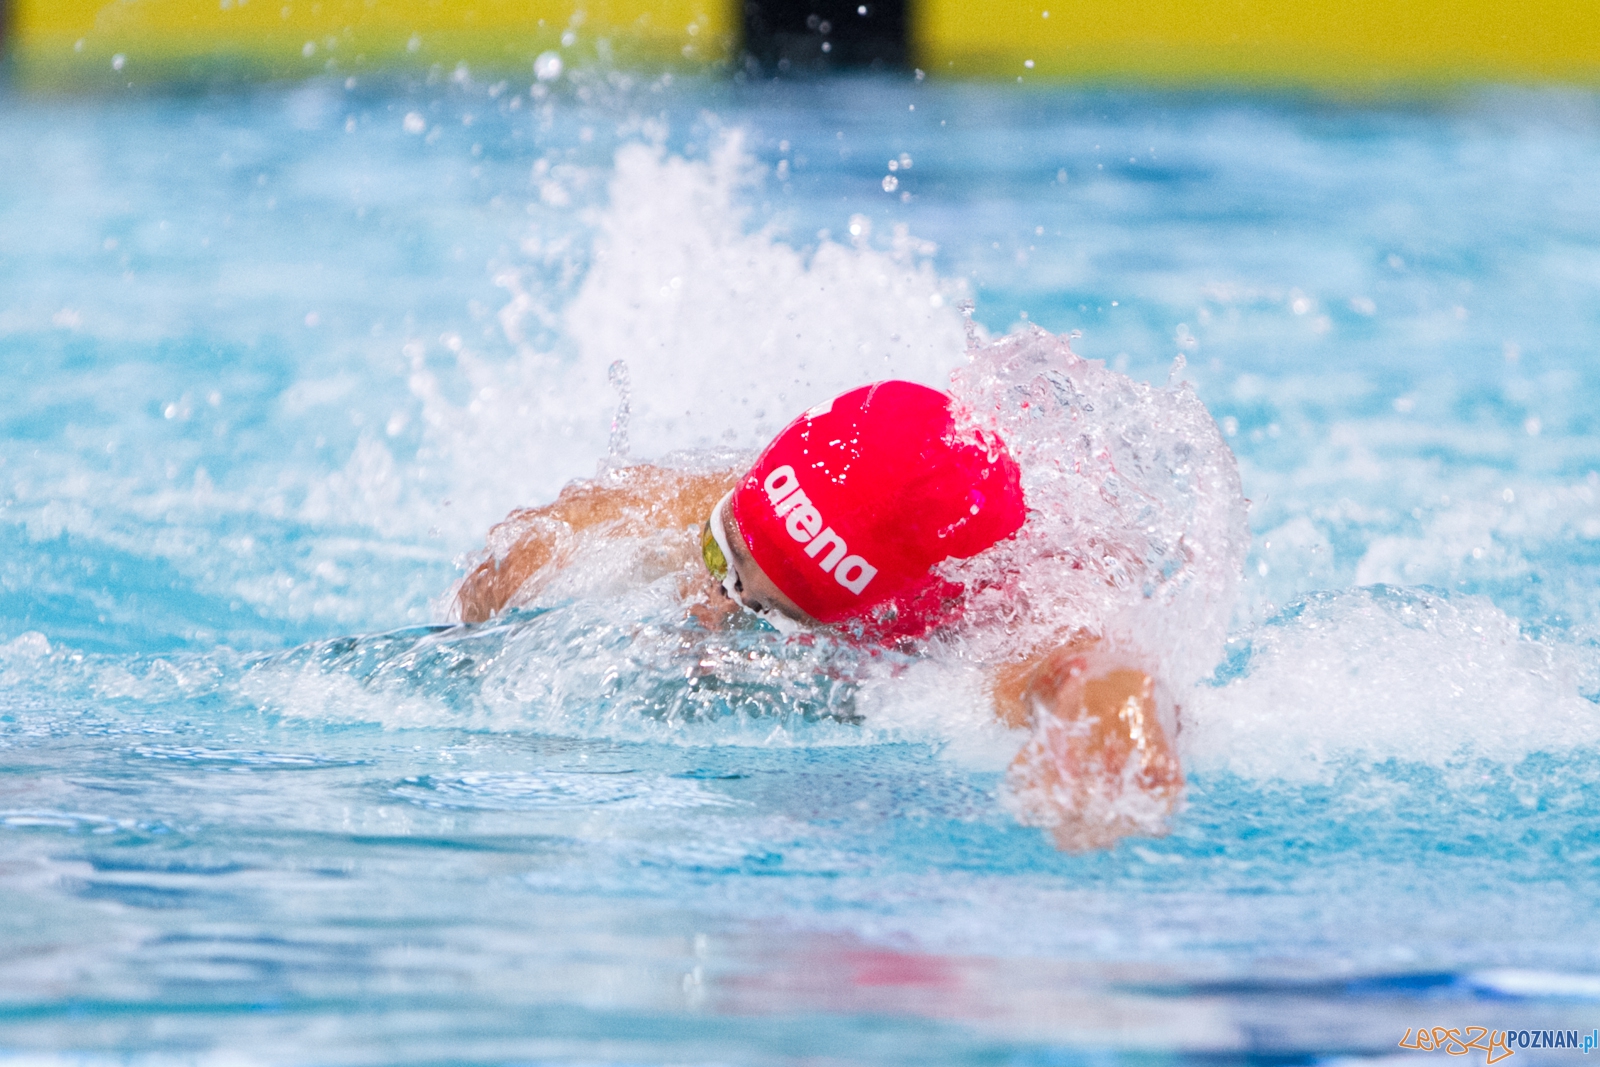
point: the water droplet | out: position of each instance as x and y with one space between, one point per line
621 381
547 67
890 183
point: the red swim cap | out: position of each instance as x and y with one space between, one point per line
852 504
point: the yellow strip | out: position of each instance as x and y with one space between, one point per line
1353 44
1336 43
84 42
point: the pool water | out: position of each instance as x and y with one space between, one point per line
279 358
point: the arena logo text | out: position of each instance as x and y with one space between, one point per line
806 525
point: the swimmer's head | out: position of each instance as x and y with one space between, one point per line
852 505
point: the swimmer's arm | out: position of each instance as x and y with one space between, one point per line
1100 763
634 501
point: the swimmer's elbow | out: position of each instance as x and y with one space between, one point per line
489 587
474 599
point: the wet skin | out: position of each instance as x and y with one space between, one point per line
1098 747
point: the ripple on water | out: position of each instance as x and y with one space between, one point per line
530 791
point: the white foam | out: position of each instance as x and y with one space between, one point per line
1491 531
727 334
309 691
25 648
944 700
1377 674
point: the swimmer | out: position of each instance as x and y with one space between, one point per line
839 524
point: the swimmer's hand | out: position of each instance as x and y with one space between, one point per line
1100 764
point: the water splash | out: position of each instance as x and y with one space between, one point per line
727 332
1381 674
617 374
1136 528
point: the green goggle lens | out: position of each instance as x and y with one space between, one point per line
711 552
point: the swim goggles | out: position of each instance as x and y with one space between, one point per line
711 542
714 550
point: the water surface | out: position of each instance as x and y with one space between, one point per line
279 358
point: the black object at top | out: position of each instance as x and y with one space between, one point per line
815 36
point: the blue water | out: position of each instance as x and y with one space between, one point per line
278 359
